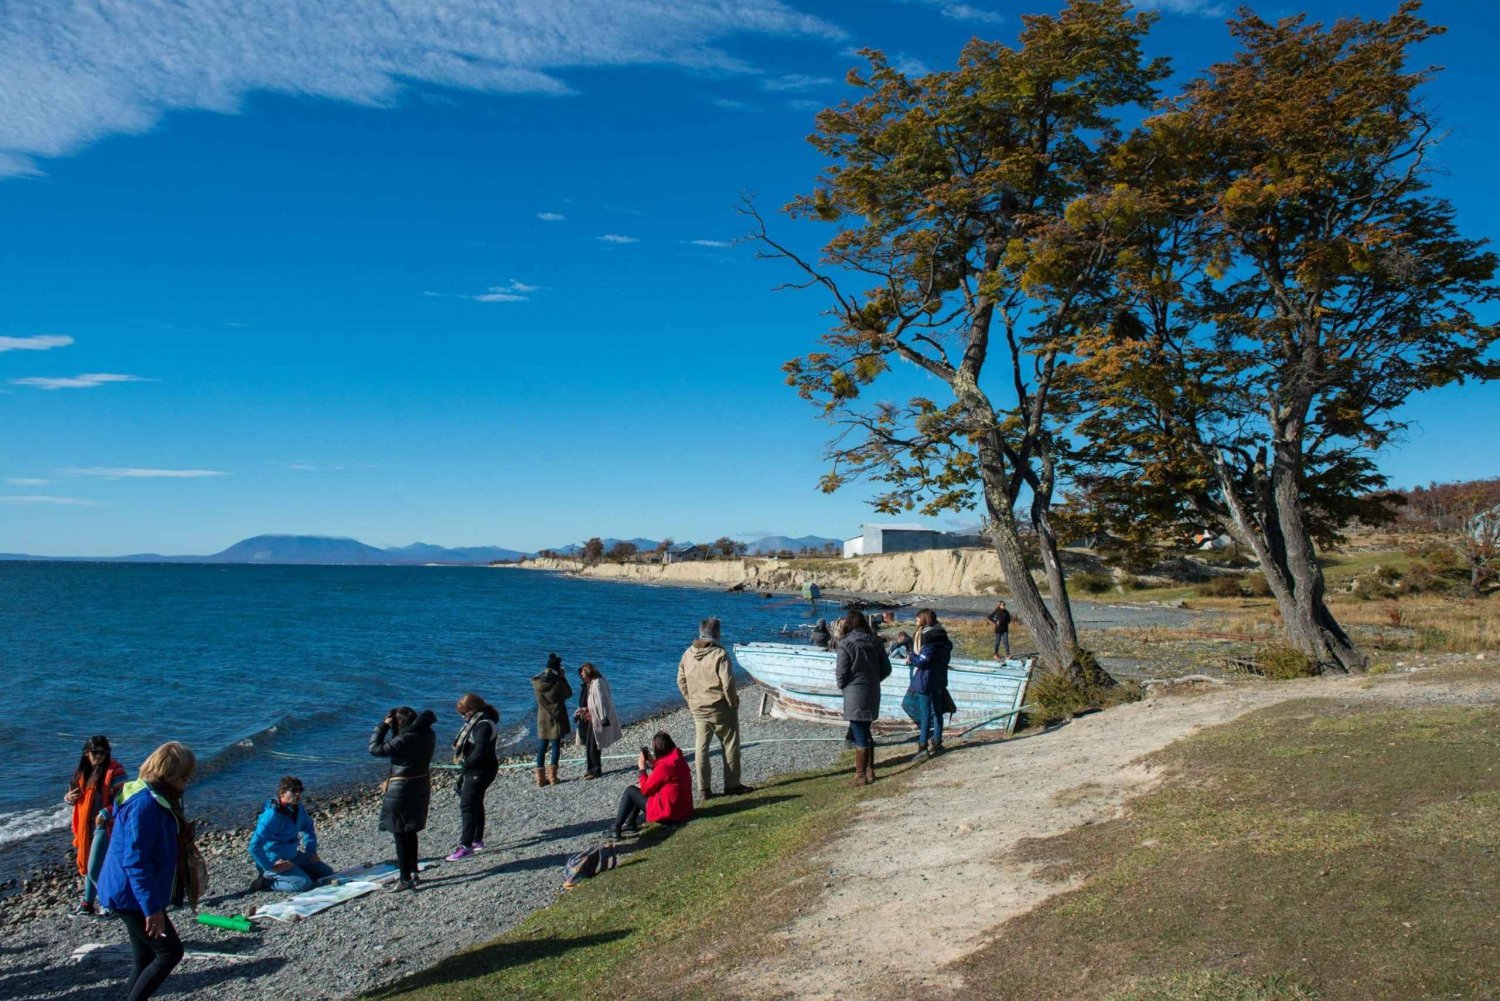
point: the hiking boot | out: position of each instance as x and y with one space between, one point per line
552 778
460 853
738 790
861 760
401 885
921 754
81 910
259 884
592 775
937 748
541 777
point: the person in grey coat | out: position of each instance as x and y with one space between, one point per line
552 695
407 739
860 665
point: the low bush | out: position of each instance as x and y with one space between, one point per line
1222 587
1282 663
1256 585
1091 583
1055 697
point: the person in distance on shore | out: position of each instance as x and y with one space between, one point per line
663 792
552 695
860 665
141 864
407 739
96 780
821 638
1000 617
929 681
706 679
900 646
598 723
284 846
474 753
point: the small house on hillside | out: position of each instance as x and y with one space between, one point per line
876 538
686 552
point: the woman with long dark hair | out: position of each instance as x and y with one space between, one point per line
92 790
663 793
474 753
407 739
598 723
860 665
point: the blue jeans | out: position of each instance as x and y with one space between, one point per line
1002 638
541 751
929 720
860 731
301 876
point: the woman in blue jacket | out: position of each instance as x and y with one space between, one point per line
141 865
929 682
285 843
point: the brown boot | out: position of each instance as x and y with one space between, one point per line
861 762
541 778
552 775
870 765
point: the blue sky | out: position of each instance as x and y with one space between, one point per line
465 276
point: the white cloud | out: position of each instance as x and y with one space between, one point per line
617 238
551 216
910 66
514 285
497 297
130 473
44 499
41 342
962 11
303 467
76 72
27 481
87 380
730 105
708 243
512 291
795 81
1202 8
805 105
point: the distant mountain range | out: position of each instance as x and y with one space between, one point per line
326 550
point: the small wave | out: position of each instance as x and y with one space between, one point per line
29 823
257 739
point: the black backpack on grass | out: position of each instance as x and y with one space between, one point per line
588 863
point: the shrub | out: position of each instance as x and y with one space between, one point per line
1256 585
1227 586
1130 582
1092 583
1282 663
1056 697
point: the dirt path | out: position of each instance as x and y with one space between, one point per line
936 885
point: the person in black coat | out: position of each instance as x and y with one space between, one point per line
821 637
407 739
474 753
860 665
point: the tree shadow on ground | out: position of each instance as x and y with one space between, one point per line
494 957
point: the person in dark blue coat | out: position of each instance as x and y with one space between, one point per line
929 681
140 867
407 739
284 846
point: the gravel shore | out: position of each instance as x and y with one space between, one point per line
383 936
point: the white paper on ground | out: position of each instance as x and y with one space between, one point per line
121 950
342 886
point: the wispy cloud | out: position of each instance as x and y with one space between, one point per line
962 11
729 104
617 238
87 380
794 81
133 473
910 65
44 499
551 216
708 243
1201 8
27 481
805 105
511 291
41 342
77 72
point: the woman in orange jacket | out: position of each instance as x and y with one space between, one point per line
91 792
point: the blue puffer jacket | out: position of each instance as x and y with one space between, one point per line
142 860
930 664
277 833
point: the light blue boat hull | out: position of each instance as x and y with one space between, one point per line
800 679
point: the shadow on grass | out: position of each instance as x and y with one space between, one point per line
497 956
729 806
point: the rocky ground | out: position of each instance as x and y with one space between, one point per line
382 936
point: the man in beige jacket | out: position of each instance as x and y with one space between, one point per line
706 679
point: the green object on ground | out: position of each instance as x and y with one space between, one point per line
237 922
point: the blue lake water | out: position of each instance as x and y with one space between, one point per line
265 670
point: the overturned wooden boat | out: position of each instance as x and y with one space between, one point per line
800 681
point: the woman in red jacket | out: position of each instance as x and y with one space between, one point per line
665 790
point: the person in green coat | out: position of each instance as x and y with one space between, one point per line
552 695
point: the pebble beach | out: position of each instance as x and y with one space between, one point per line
381 937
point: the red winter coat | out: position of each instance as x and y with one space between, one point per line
669 790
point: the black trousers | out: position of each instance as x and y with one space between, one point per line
632 809
593 757
471 790
154 957
406 854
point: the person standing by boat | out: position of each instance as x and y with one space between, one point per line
821 637
860 665
140 867
408 741
552 695
96 780
706 679
598 723
1000 618
474 753
929 681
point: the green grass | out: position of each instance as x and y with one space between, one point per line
676 891
1306 851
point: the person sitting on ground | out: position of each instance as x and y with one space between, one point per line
821 638
474 753
96 781
900 646
284 846
664 792
552 695
859 667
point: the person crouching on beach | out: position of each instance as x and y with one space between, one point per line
598 725
706 679
96 780
474 753
141 864
860 665
407 739
284 846
663 792
552 695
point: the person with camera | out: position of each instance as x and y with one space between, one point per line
407 739
663 792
